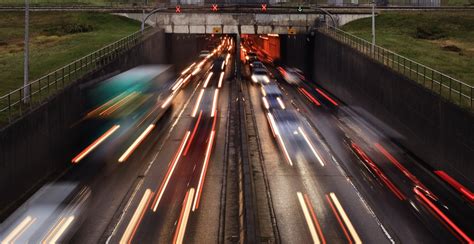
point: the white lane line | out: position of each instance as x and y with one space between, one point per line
309 220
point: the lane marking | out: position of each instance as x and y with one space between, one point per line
92 146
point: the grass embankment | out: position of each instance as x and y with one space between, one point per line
441 40
56 39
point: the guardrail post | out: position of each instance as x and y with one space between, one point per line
472 88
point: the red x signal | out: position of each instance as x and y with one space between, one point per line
178 9
264 7
214 7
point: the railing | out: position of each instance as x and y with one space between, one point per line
447 87
15 103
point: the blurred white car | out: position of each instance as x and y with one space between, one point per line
260 76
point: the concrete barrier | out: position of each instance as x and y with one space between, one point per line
438 132
38 145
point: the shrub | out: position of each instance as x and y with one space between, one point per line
429 32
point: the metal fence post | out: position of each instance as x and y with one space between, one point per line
10 106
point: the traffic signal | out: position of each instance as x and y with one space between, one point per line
178 9
264 7
214 7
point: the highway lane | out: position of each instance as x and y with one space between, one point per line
168 203
388 177
303 194
107 165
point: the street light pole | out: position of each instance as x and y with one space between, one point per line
26 88
373 25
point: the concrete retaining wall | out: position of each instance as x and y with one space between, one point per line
437 131
38 145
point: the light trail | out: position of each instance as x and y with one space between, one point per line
214 102
170 172
202 177
222 65
196 70
327 97
118 104
377 171
167 101
308 95
207 79
92 146
405 171
192 135
343 215
106 104
454 183
196 106
178 84
135 144
445 218
221 77
136 218
316 154
184 217
58 230
188 69
308 218
19 230
282 105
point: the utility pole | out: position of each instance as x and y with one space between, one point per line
373 26
26 89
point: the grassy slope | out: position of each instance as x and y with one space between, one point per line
52 49
397 32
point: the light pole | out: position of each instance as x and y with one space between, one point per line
26 87
373 25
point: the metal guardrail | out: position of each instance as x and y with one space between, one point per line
445 86
13 105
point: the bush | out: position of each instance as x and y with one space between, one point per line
66 29
429 32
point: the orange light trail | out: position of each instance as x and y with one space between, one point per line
117 105
92 146
207 79
171 169
137 217
309 219
196 106
214 102
202 177
183 217
315 219
192 135
187 69
135 144
220 79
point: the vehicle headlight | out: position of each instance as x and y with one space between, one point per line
247 57
254 78
266 79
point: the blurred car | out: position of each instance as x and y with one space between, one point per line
260 76
257 65
204 53
272 97
218 64
251 57
293 76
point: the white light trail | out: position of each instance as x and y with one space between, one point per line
196 106
135 144
282 105
221 77
214 102
346 220
207 79
316 154
309 220
137 215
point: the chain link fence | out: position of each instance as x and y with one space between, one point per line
17 102
445 86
